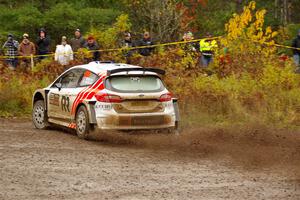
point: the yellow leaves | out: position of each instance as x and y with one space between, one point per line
274 34
268 30
123 24
248 30
252 5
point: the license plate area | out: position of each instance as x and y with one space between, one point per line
141 121
139 103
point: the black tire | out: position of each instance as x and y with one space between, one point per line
39 118
83 126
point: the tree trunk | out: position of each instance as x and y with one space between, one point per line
290 9
276 9
285 4
239 6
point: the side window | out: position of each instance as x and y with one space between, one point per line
71 79
88 79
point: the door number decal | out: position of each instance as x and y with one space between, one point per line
65 103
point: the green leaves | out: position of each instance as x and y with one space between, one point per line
58 18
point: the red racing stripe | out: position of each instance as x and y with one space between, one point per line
84 94
78 97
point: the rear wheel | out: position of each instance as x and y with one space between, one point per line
82 123
39 115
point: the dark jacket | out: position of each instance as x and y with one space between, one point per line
93 47
191 47
146 42
43 45
127 44
77 43
296 44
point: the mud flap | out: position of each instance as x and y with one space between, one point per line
91 111
177 115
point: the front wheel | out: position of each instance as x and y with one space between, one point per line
82 123
39 115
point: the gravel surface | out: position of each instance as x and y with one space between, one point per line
199 164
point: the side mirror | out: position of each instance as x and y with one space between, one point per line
58 85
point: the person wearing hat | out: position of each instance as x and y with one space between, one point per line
93 46
189 47
125 44
11 46
146 41
78 41
43 43
63 52
26 49
296 52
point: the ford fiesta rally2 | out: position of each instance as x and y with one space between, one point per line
106 96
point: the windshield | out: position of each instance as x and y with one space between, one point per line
135 84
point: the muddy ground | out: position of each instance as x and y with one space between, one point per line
202 163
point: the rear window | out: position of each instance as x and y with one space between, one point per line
134 84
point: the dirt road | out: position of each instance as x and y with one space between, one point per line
200 164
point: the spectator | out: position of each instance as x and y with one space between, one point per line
127 43
78 41
146 41
93 46
296 44
63 52
27 49
11 46
43 43
207 47
190 46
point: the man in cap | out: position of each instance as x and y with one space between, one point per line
43 43
63 52
127 43
78 41
190 47
296 52
146 41
26 49
11 46
93 46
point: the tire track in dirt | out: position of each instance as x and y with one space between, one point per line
203 163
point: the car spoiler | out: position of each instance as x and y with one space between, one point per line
144 70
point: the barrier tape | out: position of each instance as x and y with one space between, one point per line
117 49
149 46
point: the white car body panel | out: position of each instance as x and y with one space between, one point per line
137 110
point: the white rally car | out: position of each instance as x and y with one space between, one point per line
106 96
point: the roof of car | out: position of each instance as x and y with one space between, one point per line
102 67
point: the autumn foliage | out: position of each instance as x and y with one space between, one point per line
189 12
247 81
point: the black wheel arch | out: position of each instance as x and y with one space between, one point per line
38 96
41 95
90 109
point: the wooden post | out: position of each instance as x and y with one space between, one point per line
31 62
